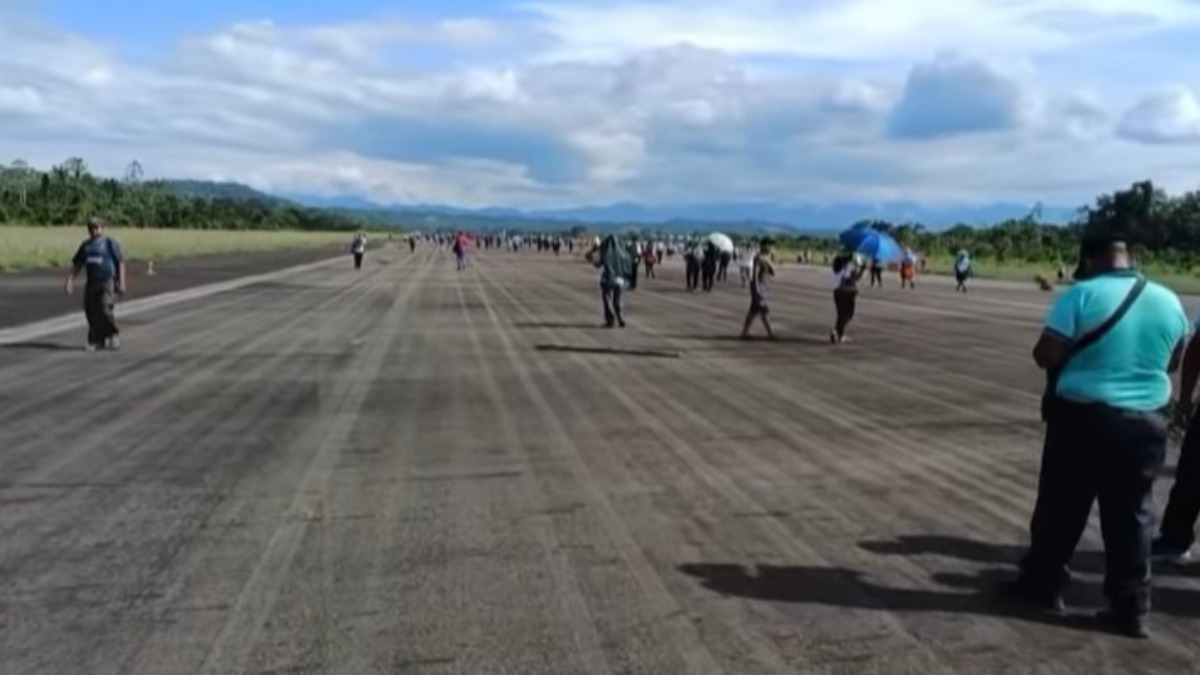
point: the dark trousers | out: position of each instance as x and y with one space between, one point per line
634 279
1094 452
1183 506
844 301
876 277
693 275
358 257
708 274
611 294
98 301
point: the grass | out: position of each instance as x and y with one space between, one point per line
1181 281
24 247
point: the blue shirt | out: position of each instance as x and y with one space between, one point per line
99 256
1127 367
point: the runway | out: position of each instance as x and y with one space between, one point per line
410 469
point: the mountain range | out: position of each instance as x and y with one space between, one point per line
735 217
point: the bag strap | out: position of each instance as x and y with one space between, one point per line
1092 336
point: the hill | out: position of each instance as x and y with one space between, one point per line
204 189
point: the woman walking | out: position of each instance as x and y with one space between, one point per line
848 269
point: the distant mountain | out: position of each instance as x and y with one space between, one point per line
220 190
740 217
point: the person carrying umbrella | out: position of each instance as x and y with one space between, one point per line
761 271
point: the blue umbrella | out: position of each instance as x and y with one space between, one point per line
871 243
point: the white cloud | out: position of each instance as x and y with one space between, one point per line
592 102
1168 116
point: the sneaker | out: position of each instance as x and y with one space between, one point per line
1162 550
113 343
1126 625
90 347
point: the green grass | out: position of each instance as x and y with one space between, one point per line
1181 281
41 247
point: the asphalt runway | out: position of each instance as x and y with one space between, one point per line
410 469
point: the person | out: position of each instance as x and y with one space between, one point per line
359 248
691 257
104 261
708 266
615 265
761 271
1106 430
1176 533
649 260
848 270
908 270
725 257
635 259
412 243
876 273
460 250
962 270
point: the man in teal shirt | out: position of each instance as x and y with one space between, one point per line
1106 434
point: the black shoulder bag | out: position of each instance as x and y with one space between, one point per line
1050 395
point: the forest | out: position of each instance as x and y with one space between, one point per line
70 194
1165 229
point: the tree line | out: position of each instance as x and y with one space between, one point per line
69 193
1164 228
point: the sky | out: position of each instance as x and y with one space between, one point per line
550 103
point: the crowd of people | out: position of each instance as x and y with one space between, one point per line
1109 346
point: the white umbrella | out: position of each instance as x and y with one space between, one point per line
723 243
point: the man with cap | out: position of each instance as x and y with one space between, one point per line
101 256
1109 345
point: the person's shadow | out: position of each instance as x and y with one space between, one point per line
966 594
973 550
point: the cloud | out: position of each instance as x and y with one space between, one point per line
955 95
1168 116
555 103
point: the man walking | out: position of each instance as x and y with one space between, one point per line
1109 345
101 256
762 270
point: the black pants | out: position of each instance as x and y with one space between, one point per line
358 261
876 276
708 274
693 275
610 294
1095 452
98 302
634 279
1183 506
844 301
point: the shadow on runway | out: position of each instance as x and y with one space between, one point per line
972 550
560 324
760 339
44 346
972 594
614 351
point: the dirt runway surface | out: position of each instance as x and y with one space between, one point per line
410 469
33 295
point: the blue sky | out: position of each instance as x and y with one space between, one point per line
568 102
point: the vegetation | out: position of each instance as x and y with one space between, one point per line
70 194
28 247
